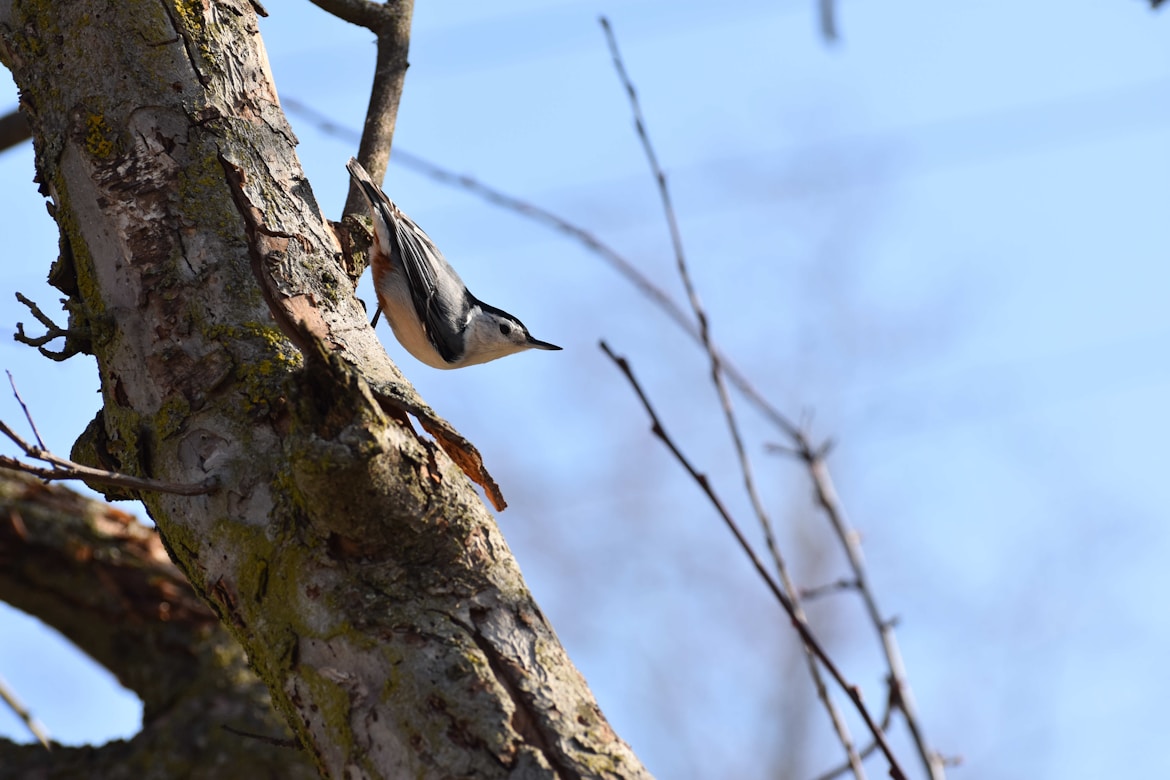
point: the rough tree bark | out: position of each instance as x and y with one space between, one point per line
349 556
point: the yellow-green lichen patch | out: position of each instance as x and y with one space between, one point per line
172 416
230 335
288 501
262 386
193 22
100 141
191 12
261 378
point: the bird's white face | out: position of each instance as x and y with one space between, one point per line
491 335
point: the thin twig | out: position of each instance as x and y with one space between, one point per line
52 329
26 717
844 767
390 22
828 588
67 469
27 416
835 716
801 625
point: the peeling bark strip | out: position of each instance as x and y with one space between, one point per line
366 581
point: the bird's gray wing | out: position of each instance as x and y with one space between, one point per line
442 310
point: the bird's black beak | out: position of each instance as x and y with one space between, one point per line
537 344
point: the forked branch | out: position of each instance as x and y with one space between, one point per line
798 622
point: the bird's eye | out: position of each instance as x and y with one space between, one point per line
505 328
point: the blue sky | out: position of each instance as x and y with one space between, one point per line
944 237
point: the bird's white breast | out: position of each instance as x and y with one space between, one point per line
394 296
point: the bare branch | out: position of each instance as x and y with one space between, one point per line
866 751
815 459
385 95
104 582
27 416
799 623
364 13
390 21
841 769
835 716
32 724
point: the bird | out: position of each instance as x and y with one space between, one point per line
431 311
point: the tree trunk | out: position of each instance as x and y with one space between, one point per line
350 556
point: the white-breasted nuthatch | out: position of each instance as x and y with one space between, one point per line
431 311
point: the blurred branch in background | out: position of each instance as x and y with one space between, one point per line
828 19
14 129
